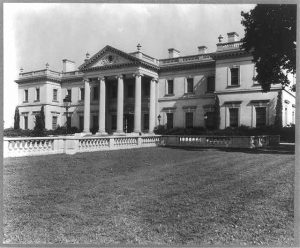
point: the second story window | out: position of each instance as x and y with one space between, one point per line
210 84
81 94
25 95
54 94
37 94
190 85
234 76
170 88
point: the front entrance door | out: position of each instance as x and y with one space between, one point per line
128 123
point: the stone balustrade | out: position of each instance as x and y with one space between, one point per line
19 147
229 46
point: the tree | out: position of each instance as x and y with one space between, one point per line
278 116
42 117
17 119
38 123
217 113
270 36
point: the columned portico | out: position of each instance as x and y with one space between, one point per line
138 103
120 105
102 100
152 105
86 128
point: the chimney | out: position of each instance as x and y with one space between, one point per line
202 49
68 65
232 37
173 53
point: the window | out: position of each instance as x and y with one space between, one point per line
96 93
260 116
25 95
189 119
234 76
170 87
81 123
114 91
146 121
233 117
81 94
210 84
130 90
146 89
113 122
68 121
54 94
25 122
69 93
54 122
95 121
37 94
169 120
190 85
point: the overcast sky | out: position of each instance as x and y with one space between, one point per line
36 34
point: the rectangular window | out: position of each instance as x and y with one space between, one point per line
285 115
25 95
113 122
169 120
81 94
54 94
96 93
233 117
260 116
130 90
69 93
190 85
25 122
189 119
170 87
234 76
146 121
54 122
210 84
81 123
37 90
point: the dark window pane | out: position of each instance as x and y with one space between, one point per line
54 122
96 93
95 121
234 76
82 94
114 91
25 122
54 94
146 121
190 85
113 122
169 120
81 123
69 93
170 87
260 116
37 94
189 120
234 117
130 90
26 95
211 84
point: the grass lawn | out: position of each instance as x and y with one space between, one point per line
151 196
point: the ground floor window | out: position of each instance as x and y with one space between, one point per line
189 119
170 119
260 116
233 117
54 122
80 123
146 121
113 122
68 121
25 122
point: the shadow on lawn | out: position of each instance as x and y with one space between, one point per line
281 149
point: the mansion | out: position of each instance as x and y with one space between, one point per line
114 92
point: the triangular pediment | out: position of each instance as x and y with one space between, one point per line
108 56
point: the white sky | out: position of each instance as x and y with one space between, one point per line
37 33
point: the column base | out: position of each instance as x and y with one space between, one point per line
119 134
137 132
82 134
101 133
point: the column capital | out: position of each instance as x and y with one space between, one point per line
138 74
155 79
119 76
85 79
101 78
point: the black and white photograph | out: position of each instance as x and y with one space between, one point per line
150 124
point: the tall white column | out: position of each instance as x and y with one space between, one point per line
87 107
138 103
102 99
120 105
152 106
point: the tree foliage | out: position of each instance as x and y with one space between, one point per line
17 119
42 117
217 113
270 36
278 116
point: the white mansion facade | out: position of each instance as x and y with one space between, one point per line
118 92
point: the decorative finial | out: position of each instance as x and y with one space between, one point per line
21 70
139 47
47 66
220 38
87 55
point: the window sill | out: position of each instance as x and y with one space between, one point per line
25 101
209 92
36 100
54 101
233 86
169 95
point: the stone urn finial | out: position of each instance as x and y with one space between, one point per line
21 70
139 47
47 66
220 38
87 56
